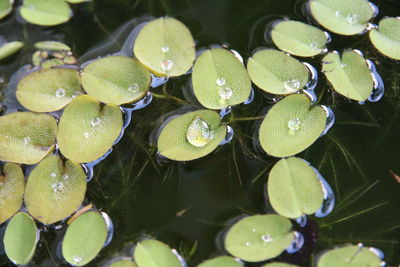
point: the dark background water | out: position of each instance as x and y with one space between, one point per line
187 204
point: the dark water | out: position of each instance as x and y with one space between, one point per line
187 204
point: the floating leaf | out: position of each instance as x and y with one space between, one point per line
48 90
222 261
52 46
387 37
10 48
26 137
294 188
45 13
349 256
342 16
88 129
12 187
165 46
298 38
191 136
349 74
291 126
279 264
116 79
20 238
123 263
277 73
259 237
5 7
219 79
55 189
153 253
84 238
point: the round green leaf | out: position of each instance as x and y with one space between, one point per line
20 238
279 264
84 238
5 7
349 256
123 263
222 261
387 37
294 188
52 46
191 135
291 126
219 79
88 129
55 189
342 16
260 237
153 253
26 137
10 48
298 38
349 74
48 90
165 46
276 72
45 13
12 187
116 79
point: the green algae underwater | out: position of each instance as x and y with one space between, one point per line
188 205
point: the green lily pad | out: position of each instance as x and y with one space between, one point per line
123 263
219 79
10 48
279 264
165 46
20 238
294 188
259 237
55 189
222 261
52 46
298 38
342 16
116 79
88 129
84 238
349 256
12 187
45 13
5 7
291 126
48 90
26 137
153 253
387 37
285 76
191 136
349 74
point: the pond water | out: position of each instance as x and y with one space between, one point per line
188 204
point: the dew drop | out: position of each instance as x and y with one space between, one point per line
53 175
253 230
266 238
57 187
27 140
220 81
94 122
65 176
343 65
313 45
292 85
164 49
133 88
338 13
225 93
60 93
86 134
77 258
293 125
352 18
247 244
199 133
167 64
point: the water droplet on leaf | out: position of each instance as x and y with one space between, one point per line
199 133
294 125
352 18
133 88
266 238
95 122
220 81
60 92
167 64
225 93
27 140
57 187
292 85
165 49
